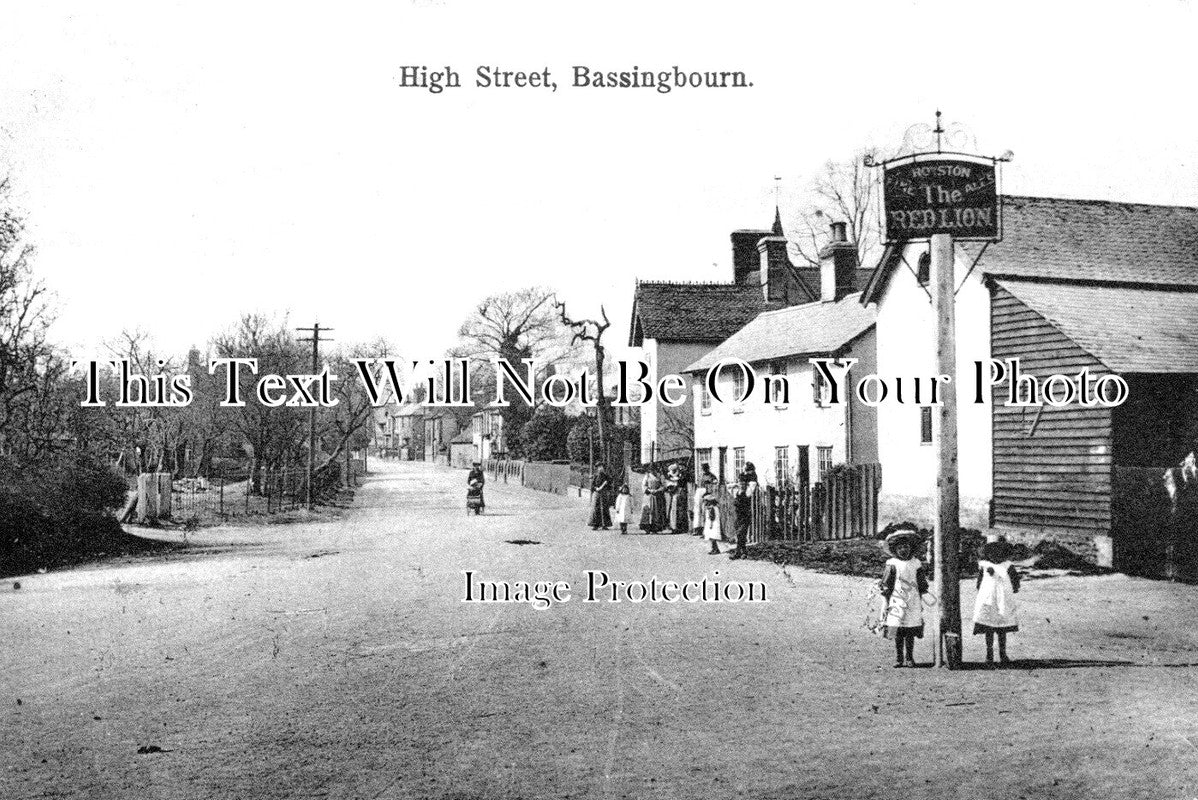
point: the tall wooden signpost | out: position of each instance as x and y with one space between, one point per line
942 198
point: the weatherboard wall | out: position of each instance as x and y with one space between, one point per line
1052 466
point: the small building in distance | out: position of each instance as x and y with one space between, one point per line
487 434
440 428
461 450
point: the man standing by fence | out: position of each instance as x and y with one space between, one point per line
742 506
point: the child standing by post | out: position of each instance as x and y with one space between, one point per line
994 609
623 499
903 584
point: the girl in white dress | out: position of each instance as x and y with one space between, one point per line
623 500
712 531
697 515
994 611
903 584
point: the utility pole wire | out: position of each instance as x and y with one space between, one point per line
315 340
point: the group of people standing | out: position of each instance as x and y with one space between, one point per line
664 507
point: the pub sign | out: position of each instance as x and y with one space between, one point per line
940 195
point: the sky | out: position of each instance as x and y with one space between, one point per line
179 165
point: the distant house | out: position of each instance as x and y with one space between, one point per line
440 427
675 324
385 431
409 432
461 450
620 415
399 431
487 434
1110 287
794 438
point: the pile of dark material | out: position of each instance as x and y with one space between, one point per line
863 557
1050 555
867 557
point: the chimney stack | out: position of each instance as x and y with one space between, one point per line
745 261
838 266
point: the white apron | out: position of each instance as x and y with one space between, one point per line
697 511
905 609
995 604
622 503
711 526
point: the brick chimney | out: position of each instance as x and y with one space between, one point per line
745 261
837 266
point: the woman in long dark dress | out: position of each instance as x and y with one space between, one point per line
653 512
600 495
677 516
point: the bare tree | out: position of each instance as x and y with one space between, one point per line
273 435
677 429
844 191
590 330
347 425
513 326
24 319
153 431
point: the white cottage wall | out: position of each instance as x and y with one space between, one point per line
663 437
760 427
906 349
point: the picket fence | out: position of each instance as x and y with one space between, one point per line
844 506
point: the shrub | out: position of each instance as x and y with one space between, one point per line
59 513
544 436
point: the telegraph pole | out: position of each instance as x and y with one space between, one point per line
943 198
315 330
948 511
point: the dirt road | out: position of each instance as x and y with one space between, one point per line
336 659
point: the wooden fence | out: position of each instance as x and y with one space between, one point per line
844 507
540 475
505 470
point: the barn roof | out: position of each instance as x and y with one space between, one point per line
1084 240
812 328
693 312
1131 330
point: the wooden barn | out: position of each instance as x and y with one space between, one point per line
1109 287
1094 474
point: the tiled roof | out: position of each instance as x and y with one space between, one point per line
693 312
812 328
1086 240
1089 240
1128 329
